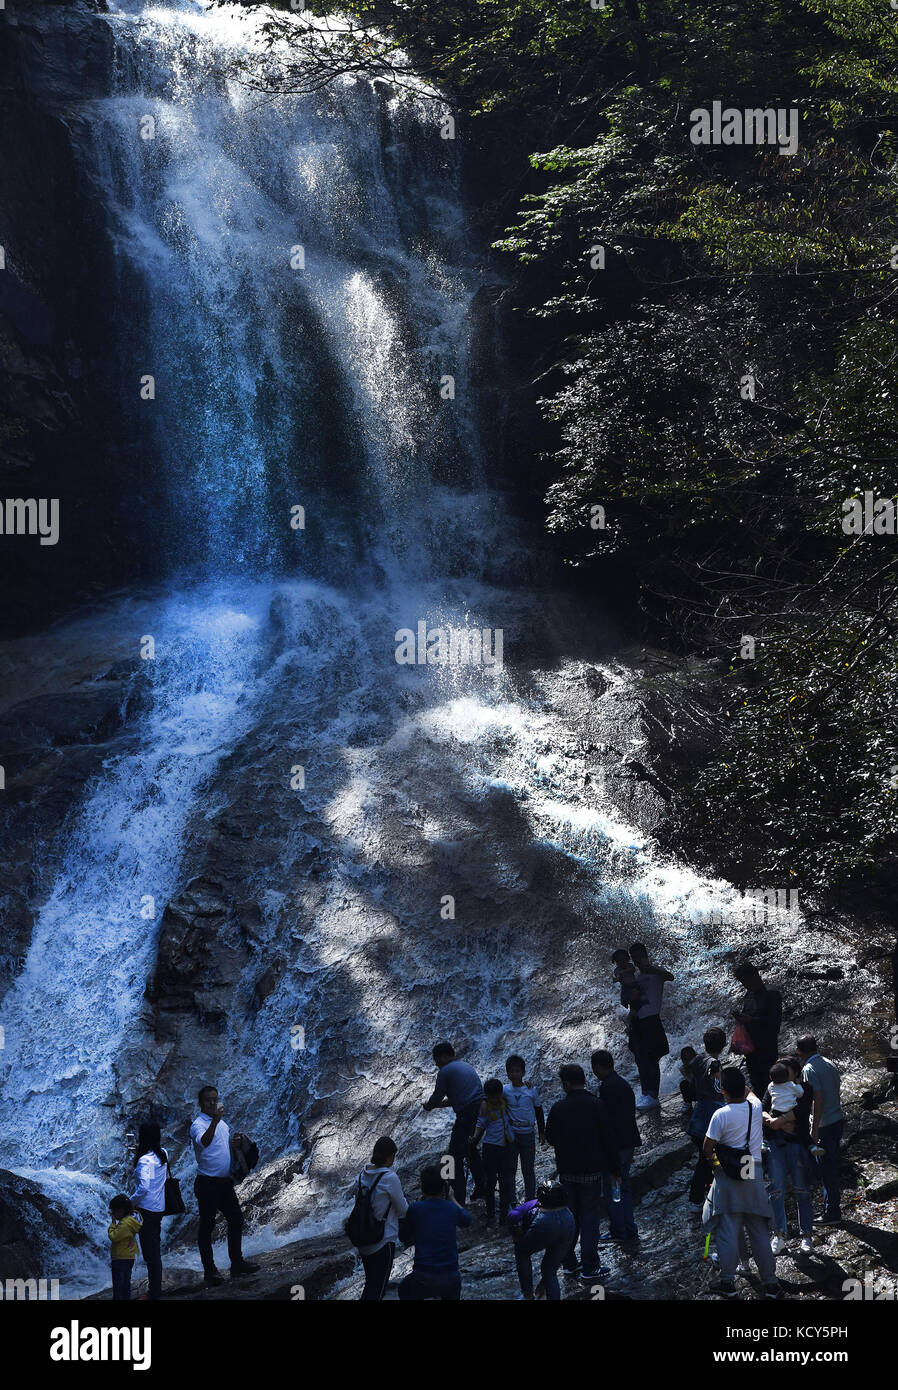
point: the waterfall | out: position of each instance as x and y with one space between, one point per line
313 380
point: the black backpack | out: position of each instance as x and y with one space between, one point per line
361 1225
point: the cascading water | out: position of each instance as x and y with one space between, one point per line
314 385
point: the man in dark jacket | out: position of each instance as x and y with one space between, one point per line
619 1099
580 1132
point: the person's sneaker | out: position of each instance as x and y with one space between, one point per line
595 1277
807 1245
523 1297
213 1280
647 1103
237 1270
724 1288
572 1273
778 1244
611 1240
743 1270
829 1220
772 1291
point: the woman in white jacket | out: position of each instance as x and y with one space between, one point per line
388 1205
149 1199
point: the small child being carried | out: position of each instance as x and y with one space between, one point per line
784 1096
631 996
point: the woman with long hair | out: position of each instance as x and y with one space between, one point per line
151 1167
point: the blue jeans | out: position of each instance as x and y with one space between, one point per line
498 1162
585 1202
828 1169
525 1152
464 1127
785 1158
620 1214
551 1232
121 1280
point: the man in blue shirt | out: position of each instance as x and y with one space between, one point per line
459 1085
431 1226
827 1122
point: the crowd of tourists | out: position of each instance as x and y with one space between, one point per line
762 1120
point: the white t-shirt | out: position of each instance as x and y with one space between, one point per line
522 1106
729 1124
150 1192
214 1161
785 1095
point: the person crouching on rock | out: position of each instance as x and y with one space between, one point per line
550 1229
214 1187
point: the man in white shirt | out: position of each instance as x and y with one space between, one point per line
214 1188
737 1205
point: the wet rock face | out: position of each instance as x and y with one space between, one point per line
51 745
29 1220
667 1262
58 410
201 956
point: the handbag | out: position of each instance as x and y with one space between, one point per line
741 1041
174 1202
732 1160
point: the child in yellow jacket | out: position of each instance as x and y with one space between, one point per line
123 1235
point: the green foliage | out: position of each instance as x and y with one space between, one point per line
722 264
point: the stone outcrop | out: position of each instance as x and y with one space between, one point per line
30 1222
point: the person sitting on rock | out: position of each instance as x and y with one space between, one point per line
214 1187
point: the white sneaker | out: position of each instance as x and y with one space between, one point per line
807 1245
778 1244
648 1103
